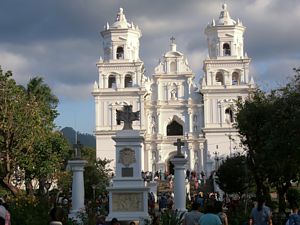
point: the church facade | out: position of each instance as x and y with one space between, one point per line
172 105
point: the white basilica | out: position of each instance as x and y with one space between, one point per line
171 104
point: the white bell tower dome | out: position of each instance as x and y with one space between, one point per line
225 37
121 40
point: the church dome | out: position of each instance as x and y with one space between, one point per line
173 52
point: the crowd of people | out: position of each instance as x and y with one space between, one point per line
205 208
4 213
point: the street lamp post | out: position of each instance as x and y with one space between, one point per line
94 191
216 161
47 186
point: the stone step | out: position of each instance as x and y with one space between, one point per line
163 186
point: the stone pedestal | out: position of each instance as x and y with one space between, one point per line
77 167
128 195
179 186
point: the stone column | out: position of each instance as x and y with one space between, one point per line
190 113
77 167
179 187
104 83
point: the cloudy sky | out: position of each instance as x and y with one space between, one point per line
60 41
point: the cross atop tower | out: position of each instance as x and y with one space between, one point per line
172 39
127 116
179 143
173 45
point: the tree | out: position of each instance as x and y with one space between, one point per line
20 124
43 94
269 127
284 144
29 148
233 175
50 148
95 172
251 116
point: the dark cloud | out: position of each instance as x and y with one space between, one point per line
60 40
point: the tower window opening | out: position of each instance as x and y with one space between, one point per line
120 53
128 81
111 81
174 129
229 115
226 49
219 78
235 78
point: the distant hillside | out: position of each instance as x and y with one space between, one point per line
85 139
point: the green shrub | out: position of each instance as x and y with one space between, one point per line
293 196
28 210
171 217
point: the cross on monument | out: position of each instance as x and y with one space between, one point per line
179 143
77 150
127 116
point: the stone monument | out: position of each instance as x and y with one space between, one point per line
128 195
179 162
77 167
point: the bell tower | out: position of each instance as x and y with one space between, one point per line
225 37
121 40
121 82
226 79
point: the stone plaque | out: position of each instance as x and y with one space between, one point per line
127 156
127 172
127 202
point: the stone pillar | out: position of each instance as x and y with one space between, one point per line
77 167
179 187
190 121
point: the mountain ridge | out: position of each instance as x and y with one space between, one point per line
85 139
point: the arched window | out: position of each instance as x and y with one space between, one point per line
226 49
128 81
111 81
172 67
120 53
174 129
219 78
229 115
235 78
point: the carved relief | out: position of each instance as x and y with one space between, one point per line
127 156
127 202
